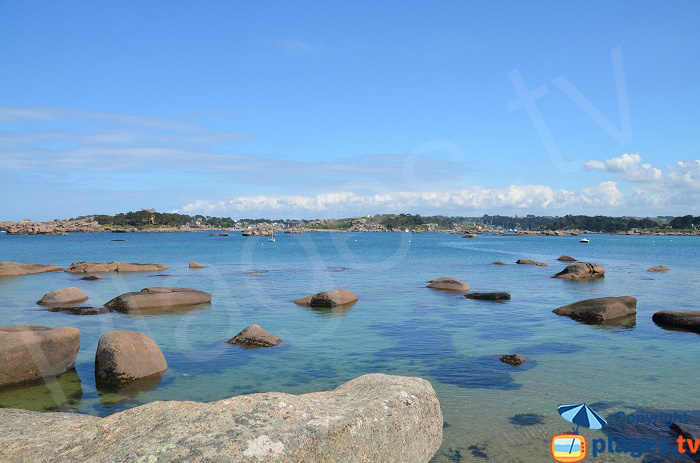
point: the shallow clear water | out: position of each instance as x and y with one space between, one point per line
492 410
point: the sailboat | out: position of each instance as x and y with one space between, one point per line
271 238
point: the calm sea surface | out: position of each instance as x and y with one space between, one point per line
491 410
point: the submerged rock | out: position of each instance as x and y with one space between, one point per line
64 296
123 356
689 321
690 430
526 419
566 259
495 296
581 271
374 418
599 309
255 336
335 298
30 352
499 263
80 310
92 277
513 359
448 284
659 268
99 267
158 297
194 264
542 264
9 269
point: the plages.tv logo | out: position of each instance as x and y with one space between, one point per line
571 448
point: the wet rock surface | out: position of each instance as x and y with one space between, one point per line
513 359
80 310
488 296
684 321
599 309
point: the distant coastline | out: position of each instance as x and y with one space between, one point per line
150 221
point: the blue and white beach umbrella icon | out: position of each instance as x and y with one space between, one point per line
581 415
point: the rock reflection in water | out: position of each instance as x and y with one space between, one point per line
111 394
62 393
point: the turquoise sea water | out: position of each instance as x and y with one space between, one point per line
491 410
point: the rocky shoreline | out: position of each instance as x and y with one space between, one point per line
64 228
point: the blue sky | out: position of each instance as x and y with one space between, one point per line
322 109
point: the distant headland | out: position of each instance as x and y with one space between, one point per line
149 220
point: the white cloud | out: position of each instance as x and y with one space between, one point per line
605 194
629 165
461 201
649 191
675 189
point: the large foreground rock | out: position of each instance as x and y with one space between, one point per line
448 284
10 269
158 297
689 321
63 296
255 336
600 309
97 267
124 356
581 271
32 352
372 419
335 298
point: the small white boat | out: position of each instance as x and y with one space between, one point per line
584 240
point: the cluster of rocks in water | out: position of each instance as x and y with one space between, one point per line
33 352
372 418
